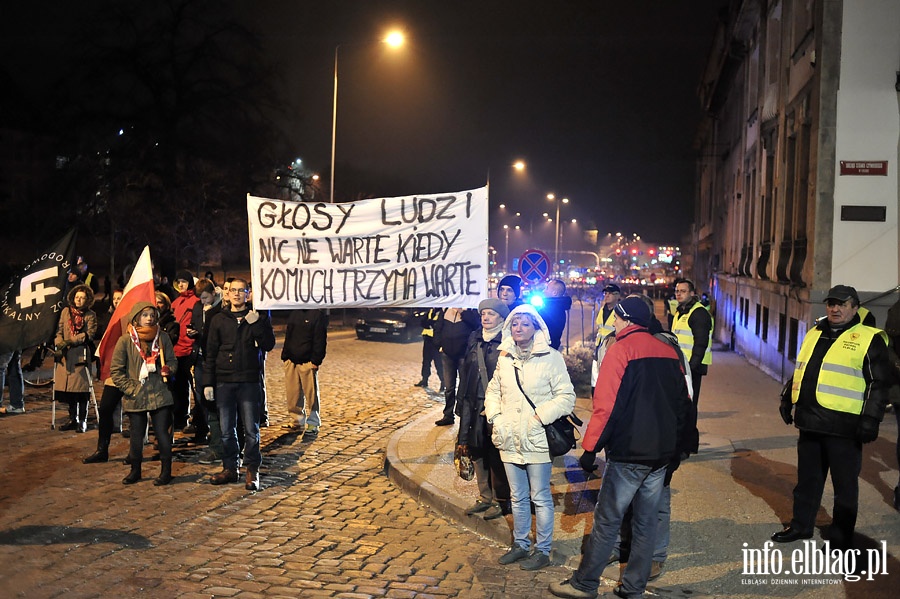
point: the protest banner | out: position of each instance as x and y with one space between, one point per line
413 251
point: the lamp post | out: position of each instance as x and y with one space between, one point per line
552 198
506 250
394 39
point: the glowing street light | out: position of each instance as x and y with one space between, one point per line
552 198
394 39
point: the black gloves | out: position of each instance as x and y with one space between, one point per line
786 409
587 461
867 430
670 470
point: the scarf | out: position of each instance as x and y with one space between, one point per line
146 337
524 354
76 320
489 334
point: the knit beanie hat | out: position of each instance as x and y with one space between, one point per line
634 310
495 305
185 275
511 281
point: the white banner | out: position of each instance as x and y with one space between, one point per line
415 251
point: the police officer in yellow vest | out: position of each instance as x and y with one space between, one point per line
693 325
612 295
840 389
431 350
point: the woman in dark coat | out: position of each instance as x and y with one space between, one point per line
74 352
474 433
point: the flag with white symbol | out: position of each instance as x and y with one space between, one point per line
30 304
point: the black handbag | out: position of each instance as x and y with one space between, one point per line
560 432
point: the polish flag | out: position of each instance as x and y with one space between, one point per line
139 289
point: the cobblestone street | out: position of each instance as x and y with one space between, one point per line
327 522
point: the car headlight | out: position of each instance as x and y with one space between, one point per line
360 321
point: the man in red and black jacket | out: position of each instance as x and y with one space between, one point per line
640 418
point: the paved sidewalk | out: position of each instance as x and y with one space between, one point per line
736 491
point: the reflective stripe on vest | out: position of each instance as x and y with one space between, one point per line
840 385
682 330
604 328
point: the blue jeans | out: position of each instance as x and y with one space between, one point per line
624 484
246 397
623 543
531 483
11 365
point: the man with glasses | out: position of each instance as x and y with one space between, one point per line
693 325
840 390
238 340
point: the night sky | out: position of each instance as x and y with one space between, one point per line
597 97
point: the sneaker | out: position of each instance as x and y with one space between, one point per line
11 410
656 569
208 457
535 561
493 512
480 506
514 554
311 432
565 589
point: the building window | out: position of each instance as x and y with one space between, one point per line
758 319
792 340
782 326
765 324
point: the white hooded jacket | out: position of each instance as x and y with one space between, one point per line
544 377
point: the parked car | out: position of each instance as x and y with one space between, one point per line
400 324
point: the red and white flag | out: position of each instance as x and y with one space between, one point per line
139 289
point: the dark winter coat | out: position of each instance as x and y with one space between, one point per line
641 402
473 430
453 337
235 349
306 337
811 416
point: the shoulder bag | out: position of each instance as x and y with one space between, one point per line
560 432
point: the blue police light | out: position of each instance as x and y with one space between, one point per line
536 300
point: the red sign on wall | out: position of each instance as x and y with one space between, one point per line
864 167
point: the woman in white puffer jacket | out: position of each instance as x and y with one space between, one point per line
518 430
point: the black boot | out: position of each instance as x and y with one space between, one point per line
165 472
134 475
101 455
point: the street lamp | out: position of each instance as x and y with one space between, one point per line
506 251
552 198
394 39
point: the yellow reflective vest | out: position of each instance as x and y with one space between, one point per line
604 327
682 330
841 385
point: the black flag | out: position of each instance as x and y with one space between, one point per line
30 304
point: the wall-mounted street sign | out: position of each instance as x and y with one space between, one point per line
864 167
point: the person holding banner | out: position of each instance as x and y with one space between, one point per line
142 362
74 349
238 339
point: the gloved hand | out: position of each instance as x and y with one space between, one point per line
209 394
867 430
786 408
252 316
587 461
670 470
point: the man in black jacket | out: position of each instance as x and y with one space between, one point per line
303 353
238 338
840 389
